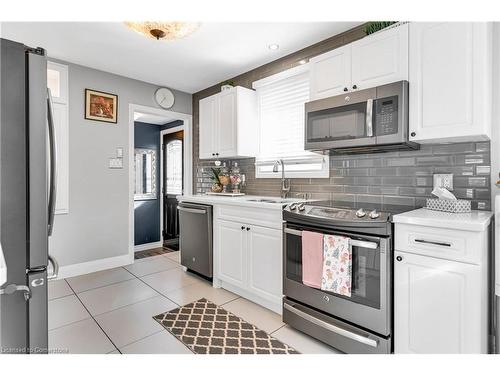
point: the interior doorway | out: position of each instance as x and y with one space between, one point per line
166 122
173 185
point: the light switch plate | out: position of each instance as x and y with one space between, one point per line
119 152
115 163
444 181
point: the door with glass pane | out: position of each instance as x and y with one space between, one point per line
173 176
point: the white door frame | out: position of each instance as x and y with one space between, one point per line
162 133
188 160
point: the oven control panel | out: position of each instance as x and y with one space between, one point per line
338 213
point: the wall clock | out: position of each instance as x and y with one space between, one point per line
164 98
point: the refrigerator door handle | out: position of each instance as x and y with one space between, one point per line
53 163
55 268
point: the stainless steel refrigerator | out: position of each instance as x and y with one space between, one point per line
28 194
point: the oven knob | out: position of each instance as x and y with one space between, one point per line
374 214
326 298
347 98
293 206
301 206
360 213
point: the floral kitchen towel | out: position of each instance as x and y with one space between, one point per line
337 268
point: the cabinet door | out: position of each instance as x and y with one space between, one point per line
207 127
331 73
380 58
449 75
226 124
437 306
231 252
265 263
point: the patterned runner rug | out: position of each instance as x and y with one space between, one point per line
206 328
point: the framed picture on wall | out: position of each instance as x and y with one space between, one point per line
101 106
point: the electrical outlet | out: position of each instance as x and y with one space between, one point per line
444 181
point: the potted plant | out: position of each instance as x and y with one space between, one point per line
216 184
373 27
227 85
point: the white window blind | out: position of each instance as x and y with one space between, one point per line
281 100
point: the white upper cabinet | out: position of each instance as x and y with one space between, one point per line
330 73
208 111
380 58
375 60
228 124
450 82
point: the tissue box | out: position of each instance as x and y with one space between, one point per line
455 206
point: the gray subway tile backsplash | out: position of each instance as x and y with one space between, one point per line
394 178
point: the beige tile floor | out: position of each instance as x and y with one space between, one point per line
111 311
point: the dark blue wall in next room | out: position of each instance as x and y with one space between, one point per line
147 212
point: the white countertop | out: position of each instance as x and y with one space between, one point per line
475 221
245 200
3 268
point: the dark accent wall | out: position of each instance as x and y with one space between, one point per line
147 212
403 177
172 124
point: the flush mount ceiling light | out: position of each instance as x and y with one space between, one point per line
164 30
273 47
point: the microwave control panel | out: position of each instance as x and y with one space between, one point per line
386 116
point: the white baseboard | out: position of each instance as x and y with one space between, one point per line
148 246
94 266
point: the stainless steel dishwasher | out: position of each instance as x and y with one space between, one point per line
196 237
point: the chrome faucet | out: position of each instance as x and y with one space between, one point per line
285 183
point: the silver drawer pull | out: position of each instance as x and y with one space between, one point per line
433 242
332 328
363 244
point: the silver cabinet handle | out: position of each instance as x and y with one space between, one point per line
433 242
332 328
53 163
363 244
369 115
55 268
192 210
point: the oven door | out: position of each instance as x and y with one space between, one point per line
369 305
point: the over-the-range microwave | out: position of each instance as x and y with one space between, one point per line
370 120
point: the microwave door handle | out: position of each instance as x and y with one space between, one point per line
357 243
53 162
369 117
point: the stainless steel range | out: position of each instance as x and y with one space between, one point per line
361 323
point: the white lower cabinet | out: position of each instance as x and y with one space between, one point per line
437 306
248 262
264 262
441 286
231 253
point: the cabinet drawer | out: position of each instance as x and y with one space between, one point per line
271 218
461 246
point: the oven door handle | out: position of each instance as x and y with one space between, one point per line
363 244
332 328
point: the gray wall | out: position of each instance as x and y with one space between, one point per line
97 224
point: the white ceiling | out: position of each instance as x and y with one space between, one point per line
215 52
153 119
